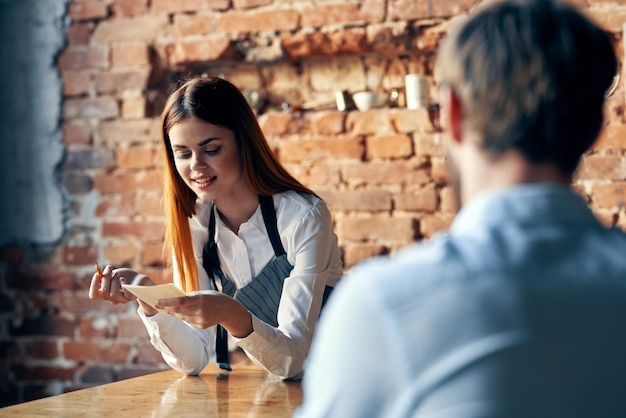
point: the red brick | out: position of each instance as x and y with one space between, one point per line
152 255
117 132
82 306
354 253
320 174
326 174
112 81
439 170
357 200
79 256
101 352
275 123
423 9
45 325
150 204
88 9
145 231
120 254
76 133
102 107
285 78
129 54
134 107
611 19
390 38
431 224
109 183
76 83
448 200
429 145
317 149
129 7
173 6
131 327
82 57
602 167
269 20
338 42
96 327
78 304
194 24
608 219
137 28
316 123
150 180
431 37
391 146
423 200
407 173
406 120
612 136
373 122
377 229
158 275
43 278
250 4
43 373
79 33
327 123
41 349
146 353
207 49
119 204
409 9
371 11
609 195
135 157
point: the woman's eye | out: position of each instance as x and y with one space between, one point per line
183 155
212 151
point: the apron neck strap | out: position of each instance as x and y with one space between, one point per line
269 219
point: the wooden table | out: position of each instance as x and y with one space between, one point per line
247 391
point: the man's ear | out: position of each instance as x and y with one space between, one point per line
453 114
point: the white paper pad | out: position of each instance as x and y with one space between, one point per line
150 294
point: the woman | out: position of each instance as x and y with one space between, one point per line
254 249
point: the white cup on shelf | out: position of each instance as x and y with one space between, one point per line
417 91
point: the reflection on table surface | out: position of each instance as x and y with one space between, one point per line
247 391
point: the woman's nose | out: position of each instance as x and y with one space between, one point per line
197 162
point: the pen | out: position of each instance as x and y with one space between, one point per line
99 270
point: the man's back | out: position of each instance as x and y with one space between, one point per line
449 318
510 313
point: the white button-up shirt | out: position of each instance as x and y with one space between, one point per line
306 231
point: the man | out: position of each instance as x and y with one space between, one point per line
520 309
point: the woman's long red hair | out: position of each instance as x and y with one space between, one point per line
216 101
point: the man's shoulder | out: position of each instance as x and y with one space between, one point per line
414 268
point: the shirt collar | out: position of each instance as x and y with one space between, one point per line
530 202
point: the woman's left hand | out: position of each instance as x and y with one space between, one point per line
208 308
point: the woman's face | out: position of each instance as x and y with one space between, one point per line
207 159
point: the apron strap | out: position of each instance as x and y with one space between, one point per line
210 258
269 218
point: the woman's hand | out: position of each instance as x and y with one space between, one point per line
108 286
208 308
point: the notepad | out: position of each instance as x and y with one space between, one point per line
150 294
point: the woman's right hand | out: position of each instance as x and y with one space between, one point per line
108 286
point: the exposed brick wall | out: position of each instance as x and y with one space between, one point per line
382 171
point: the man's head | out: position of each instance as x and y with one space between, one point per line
530 76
